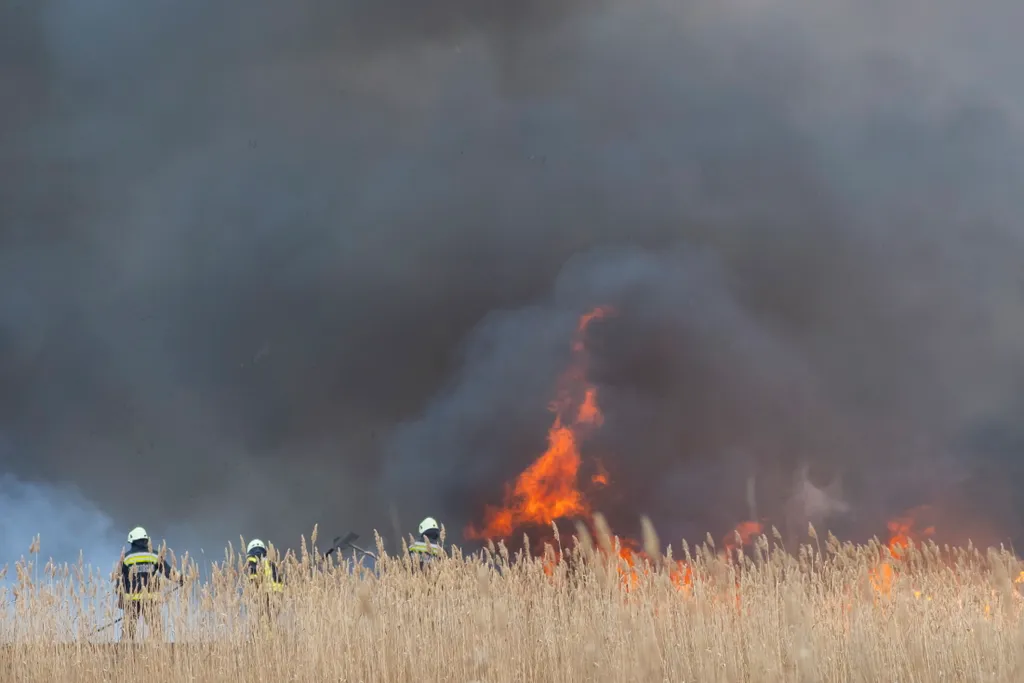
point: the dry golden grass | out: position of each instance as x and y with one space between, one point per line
826 613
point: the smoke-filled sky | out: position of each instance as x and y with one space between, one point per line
269 264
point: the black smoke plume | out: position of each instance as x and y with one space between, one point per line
269 264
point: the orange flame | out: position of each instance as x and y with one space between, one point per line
547 490
746 531
882 577
589 413
681 575
902 531
632 566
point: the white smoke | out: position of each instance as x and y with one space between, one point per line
69 526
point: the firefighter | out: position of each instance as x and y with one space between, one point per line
138 584
429 547
265 577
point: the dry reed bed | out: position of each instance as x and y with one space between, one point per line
817 615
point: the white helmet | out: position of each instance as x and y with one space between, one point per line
429 524
254 544
137 534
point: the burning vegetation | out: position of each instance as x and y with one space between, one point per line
549 490
553 489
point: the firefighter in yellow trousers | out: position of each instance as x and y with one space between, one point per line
265 579
138 585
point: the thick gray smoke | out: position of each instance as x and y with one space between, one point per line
320 261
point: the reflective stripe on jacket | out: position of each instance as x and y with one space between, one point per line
424 547
426 552
140 570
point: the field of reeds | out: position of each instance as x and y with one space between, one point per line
585 611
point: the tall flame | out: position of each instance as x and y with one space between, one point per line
547 490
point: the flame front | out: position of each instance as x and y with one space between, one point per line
903 531
548 489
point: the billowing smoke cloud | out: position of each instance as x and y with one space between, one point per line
66 525
319 262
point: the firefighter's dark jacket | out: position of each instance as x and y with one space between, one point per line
140 568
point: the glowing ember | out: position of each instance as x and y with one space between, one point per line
547 490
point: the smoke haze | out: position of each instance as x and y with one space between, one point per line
268 266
